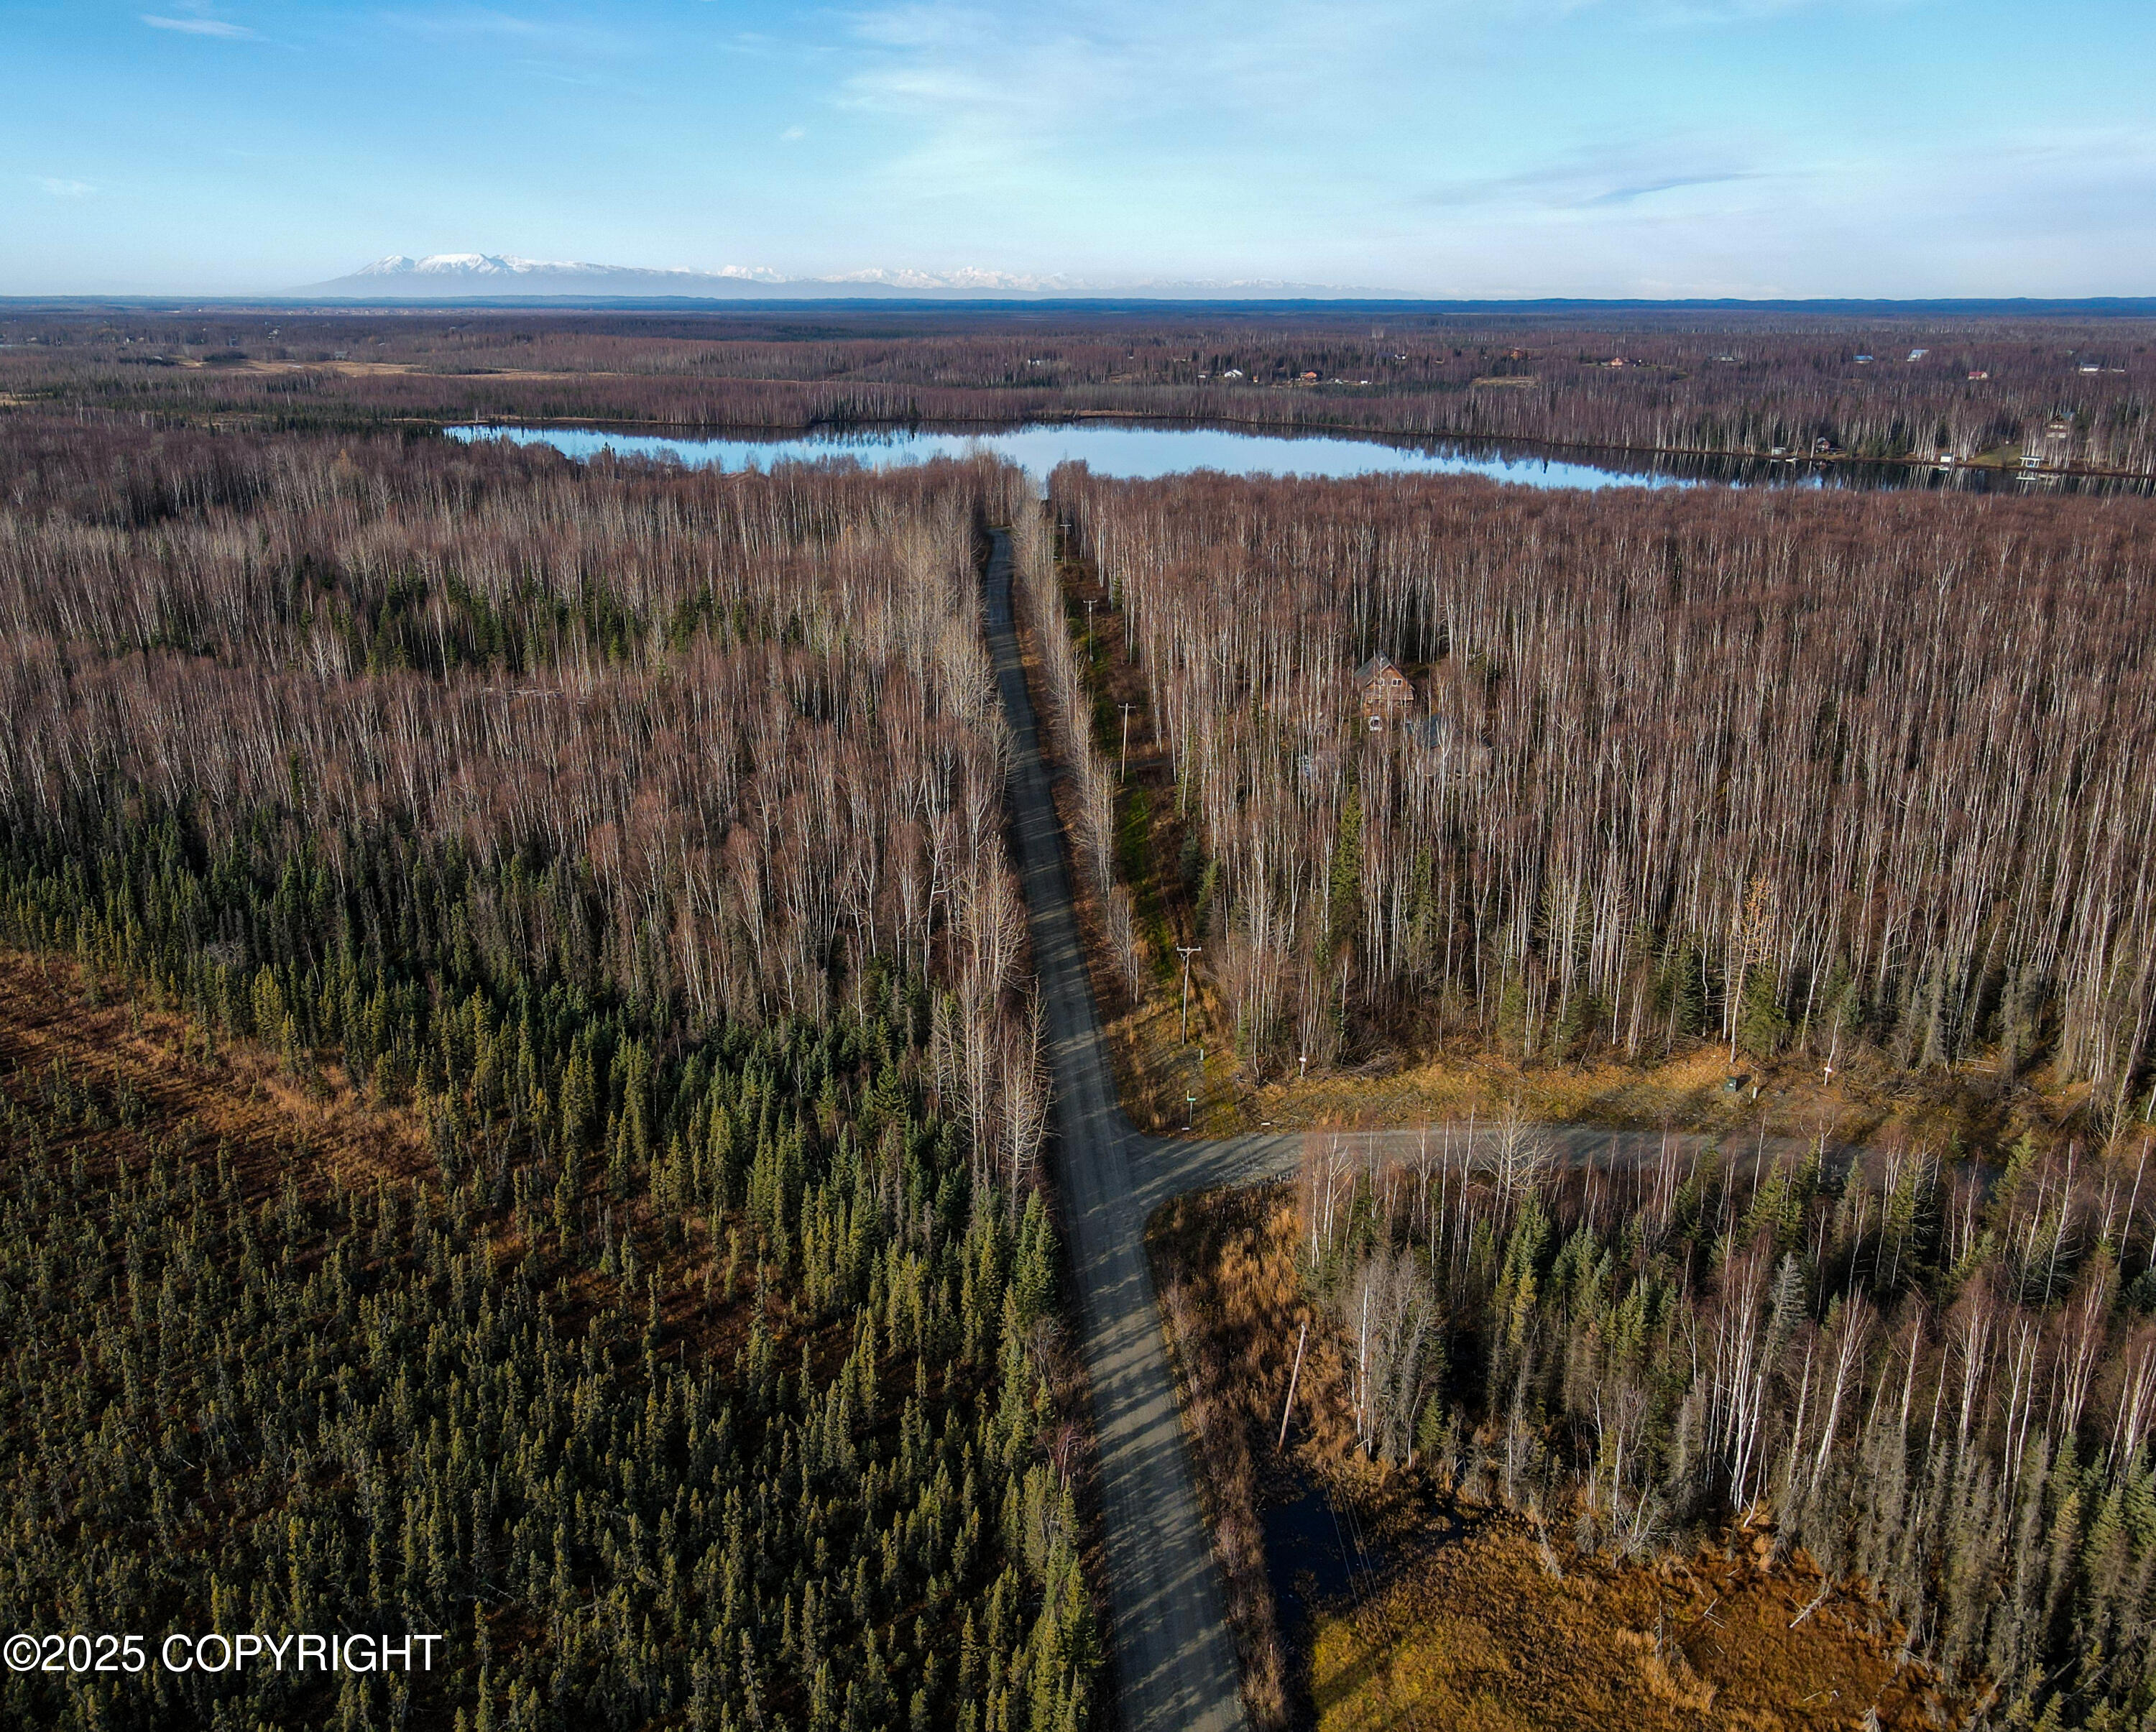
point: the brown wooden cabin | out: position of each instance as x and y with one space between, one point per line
1386 693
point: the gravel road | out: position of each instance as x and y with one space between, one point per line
1175 1660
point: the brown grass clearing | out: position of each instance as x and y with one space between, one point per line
1787 1097
423 369
1866 1101
1482 1638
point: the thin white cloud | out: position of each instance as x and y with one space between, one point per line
792 133
541 68
2053 215
1598 176
1001 100
476 23
57 188
198 27
1674 14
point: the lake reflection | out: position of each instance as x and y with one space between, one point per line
1122 450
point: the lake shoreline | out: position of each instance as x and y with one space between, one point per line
1496 459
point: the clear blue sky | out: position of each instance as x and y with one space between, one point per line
1448 147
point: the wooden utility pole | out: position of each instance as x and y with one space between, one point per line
1288 1406
1123 756
1186 951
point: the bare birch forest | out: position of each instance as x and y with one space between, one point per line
750 719
635 839
1786 771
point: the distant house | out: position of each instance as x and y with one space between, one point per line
1864 361
1918 354
1385 692
1978 373
1233 372
2053 448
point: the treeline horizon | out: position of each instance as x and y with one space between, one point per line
2063 391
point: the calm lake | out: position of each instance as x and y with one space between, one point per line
1140 452
1110 449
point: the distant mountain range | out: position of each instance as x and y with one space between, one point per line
492 276
455 277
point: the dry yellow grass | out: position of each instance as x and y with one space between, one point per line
1480 1635
1866 1101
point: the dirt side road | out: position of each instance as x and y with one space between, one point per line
1169 1167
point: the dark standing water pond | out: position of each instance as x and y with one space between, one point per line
1315 1550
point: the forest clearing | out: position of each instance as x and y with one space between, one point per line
1488 1637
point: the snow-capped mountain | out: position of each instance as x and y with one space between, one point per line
454 276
